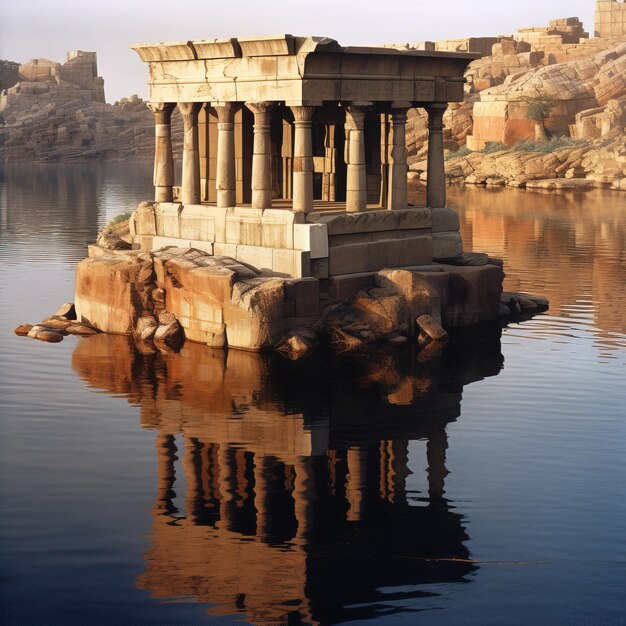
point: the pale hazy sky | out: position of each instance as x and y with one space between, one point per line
49 28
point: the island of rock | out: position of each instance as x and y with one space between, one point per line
292 217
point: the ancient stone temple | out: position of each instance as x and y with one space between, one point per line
294 158
292 199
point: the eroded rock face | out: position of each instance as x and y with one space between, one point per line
109 296
450 296
182 293
115 236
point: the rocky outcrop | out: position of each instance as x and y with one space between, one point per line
54 328
575 165
502 113
172 293
57 112
580 81
61 122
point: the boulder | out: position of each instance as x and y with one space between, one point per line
171 335
81 330
295 347
109 296
343 341
23 329
146 327
254 317
418 294
67 310
430 330
56 323
44 334
165 317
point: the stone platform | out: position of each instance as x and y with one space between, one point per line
327 242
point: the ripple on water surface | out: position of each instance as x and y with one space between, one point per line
164 487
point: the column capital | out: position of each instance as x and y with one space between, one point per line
355 114
398 116
435 112
160 106
162 111
189 108
260 107
303 113
225 111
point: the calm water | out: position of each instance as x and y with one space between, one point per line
487 486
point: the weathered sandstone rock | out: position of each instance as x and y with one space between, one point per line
108 294
81 330
56 323
44 334
295 347
171 335
146 327
23 329
430 329
67 310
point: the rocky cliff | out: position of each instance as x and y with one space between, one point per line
546 104
53 111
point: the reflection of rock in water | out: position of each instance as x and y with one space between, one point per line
570 247
295 507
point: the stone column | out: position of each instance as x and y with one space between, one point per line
261 156
397 192
356 184
191 152
163 159
436 171
225 176
303 159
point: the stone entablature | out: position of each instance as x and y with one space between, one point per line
299 70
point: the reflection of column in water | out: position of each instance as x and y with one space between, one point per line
393 470
333 459
436 454
227 484
212 488
261 494
166 456
304 493
191 467
356 483
242 481
206 452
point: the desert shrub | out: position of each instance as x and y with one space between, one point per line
553 144
461 152
122 217
494 146
539 109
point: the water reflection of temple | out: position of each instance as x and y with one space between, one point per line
295 505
